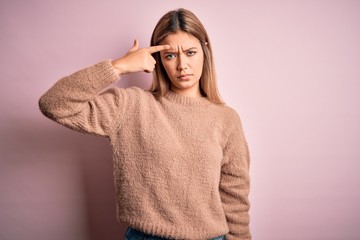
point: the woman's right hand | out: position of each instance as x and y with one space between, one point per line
137 60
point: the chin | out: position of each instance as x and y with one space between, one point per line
185 87
184 84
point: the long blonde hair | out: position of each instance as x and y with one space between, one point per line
184 20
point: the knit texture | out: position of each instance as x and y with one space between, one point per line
181 164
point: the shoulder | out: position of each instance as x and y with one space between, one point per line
133 92
231 120
130 97
229 113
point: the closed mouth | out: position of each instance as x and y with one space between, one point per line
184 75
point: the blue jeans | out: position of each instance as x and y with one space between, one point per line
133 234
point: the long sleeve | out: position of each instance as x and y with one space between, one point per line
78 101
235 183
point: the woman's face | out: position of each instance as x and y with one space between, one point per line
183 63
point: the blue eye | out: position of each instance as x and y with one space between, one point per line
169 56
191 53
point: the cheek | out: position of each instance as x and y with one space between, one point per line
163 63
199 64
168 67
168 70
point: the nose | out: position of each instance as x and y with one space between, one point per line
182 62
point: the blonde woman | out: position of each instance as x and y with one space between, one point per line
181 161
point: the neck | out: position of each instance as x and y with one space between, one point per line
195 92
186 100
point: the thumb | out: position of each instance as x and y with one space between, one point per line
136 45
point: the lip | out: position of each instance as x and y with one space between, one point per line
184 76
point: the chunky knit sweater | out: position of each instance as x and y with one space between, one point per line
181 164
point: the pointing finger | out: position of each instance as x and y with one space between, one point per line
158 48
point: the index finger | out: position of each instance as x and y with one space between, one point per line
158 48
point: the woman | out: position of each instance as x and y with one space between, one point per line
181 161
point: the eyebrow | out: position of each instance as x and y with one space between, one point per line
172 50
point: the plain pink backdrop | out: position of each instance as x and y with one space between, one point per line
290 68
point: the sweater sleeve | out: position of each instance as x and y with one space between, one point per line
235 183
79 101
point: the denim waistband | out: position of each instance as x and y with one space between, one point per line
133 234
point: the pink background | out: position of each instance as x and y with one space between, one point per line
290 68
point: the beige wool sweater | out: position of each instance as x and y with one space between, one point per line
181 164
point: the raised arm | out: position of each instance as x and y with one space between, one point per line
78 101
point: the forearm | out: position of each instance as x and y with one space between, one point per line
234 194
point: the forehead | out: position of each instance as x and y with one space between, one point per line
181 40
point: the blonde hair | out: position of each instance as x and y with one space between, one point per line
184 20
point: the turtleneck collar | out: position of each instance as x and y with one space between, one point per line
186 100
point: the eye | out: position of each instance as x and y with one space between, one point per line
191 53
170 56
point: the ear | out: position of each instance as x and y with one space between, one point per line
206 43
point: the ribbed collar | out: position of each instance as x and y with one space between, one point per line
186 100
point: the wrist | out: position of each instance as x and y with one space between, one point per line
117 66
